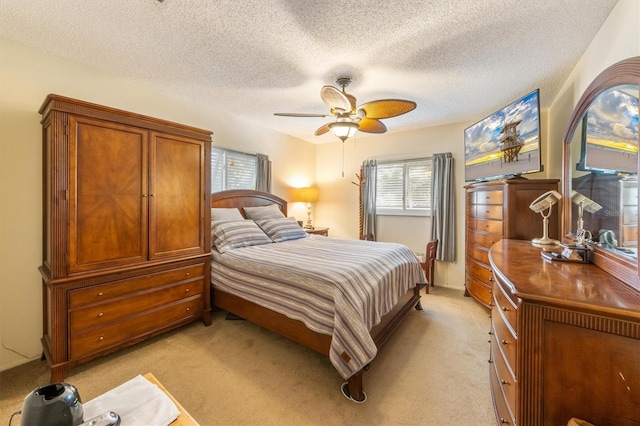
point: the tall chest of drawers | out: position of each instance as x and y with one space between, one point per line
495 210
629 212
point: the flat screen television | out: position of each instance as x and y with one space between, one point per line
610 133
506 143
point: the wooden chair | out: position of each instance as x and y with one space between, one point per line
368 237
430 262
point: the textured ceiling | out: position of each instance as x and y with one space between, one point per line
458 60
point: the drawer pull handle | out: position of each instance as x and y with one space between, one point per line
187 274
504 342
504 382
504 421
186 290
188 309
100 294
100 314
101 338
505 309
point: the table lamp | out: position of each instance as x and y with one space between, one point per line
543 205
306 195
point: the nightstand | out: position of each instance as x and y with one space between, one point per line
318 231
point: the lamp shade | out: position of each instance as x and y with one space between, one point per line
305 195
344 129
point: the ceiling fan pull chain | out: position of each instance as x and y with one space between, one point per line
342 158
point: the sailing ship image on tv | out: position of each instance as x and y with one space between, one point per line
506 143
610 133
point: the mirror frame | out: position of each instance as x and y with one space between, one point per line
624 72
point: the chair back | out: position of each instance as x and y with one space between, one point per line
430 260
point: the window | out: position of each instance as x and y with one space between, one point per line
404 187
232 170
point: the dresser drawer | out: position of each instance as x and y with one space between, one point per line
99 293
488 197
479 290
504 416
482 239
488 225
505 342
487 212
103 338
481 272
480 254
505 377
505 306
630 214
117 308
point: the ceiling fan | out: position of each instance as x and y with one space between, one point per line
349 118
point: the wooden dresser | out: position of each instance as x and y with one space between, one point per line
126 241
496 210
565 341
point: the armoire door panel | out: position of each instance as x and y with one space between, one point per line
176 203
107 194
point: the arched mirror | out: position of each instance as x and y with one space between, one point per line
600 171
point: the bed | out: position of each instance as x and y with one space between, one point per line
345 306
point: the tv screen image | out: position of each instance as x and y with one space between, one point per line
506 143
610 133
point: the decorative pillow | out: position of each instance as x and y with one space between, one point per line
272 211
231 234
282 229
225 214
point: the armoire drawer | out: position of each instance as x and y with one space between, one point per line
103 338
118 308
103 292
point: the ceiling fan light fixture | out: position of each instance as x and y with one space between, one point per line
344 129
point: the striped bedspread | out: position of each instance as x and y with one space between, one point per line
336 287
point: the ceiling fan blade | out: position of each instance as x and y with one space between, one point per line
294 114
372 125
322 130
386 108
335 98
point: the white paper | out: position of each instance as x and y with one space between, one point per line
138 402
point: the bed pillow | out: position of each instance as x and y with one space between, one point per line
272 211
218 213
231 234
282 229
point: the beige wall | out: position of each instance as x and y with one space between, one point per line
27 76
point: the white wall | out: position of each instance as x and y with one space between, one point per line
26 77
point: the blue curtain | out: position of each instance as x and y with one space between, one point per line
263 173
368 193
443 206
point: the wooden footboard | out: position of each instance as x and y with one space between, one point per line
296 330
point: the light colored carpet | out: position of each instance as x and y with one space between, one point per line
433 371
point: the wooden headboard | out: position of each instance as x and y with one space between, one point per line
246 198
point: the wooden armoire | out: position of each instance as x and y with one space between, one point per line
126 238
